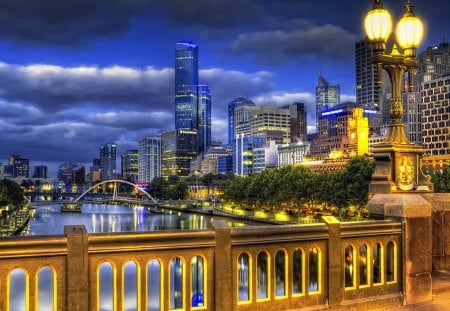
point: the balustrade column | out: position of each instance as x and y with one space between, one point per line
223 286
77 268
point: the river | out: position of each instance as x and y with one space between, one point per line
103 218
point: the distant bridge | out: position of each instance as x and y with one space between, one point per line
115 181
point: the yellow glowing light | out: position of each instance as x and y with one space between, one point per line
409 31
378 23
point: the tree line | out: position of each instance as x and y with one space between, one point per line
10 193
300 190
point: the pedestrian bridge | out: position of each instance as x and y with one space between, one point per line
114 182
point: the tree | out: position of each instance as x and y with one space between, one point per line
358 174
10 193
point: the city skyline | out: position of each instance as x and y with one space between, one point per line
78 75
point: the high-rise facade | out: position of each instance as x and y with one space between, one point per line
149 158
434 62
436 116
238 102
327 96
169 154
192 107
367 92
72 173
130 165
108 161
40 171
18 167
298 122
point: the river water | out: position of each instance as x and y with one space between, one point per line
103 218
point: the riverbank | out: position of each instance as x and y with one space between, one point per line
13 223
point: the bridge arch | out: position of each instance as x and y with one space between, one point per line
115 181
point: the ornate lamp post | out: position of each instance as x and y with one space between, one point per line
397 167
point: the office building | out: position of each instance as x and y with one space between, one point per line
40 171
169 154
434 63
192 107
238 102
108 161
149 158
17 167
293 153
71 173
265 157
436 116
327 96
298 122
130 165
243 153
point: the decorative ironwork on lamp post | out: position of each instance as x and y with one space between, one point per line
397 160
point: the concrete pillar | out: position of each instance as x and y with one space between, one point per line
223 287
335 282
77 268
415 213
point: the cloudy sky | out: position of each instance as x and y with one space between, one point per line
75 74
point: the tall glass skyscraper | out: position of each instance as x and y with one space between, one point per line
327 96
149 158
108 161
192 106
238 102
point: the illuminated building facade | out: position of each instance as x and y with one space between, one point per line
149 158
17 167
298 122
243 153
130 165
327 96
238 102
265 157
434 62
294 153
436 116
169 154
108 161
72 173
333 130
192 107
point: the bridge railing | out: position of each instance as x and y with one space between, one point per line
247 268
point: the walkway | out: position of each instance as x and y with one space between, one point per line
441 295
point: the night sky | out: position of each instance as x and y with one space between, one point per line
76 74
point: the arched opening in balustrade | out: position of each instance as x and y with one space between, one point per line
244 278
314 264
298 268
17 290
349 267
106 284
280 273
198 282
131 282
46 289
154 285
363 265
262 275
391 262
176 282
377 266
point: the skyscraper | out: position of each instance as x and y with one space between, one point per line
327 96
367 92
18 167
238 102
192 107
108 161
149 158
434 62
130 165
40 171
298 122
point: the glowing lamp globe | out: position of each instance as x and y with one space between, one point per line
378 23
409 32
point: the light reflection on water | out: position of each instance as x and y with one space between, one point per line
102 218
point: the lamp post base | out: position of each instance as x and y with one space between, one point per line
397 169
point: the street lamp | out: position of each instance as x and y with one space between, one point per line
397 160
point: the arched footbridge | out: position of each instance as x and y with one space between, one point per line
115 182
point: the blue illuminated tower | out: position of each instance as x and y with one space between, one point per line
192 107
